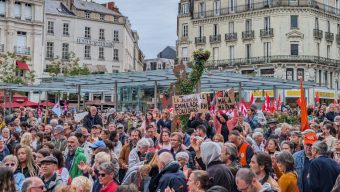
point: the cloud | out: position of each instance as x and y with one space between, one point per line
154 20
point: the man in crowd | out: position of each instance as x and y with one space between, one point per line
272 125
33 184
151 133
202 132
246 181
176 142
59 140
92 118
82 135
137 154
323 170
331 113
244 149
74 157
51 179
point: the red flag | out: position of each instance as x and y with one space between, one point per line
251 101
65 105
303 106
298 101
317 97
274 106
279 103
334 102
263 107
267 103
243 108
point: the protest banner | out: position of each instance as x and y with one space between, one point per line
80 116
225 99
185 104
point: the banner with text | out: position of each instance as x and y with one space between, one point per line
225 99
185 104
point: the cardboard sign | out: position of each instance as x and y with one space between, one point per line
80 116
185 104
225 99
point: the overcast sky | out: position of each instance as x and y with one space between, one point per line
154 20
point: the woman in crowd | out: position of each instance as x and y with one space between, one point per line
218 138
287 175
165 122
199 181
328 133
287 146
272 147
106 172
11 162
220 123
148 120
68 128
26 139
81 184
105 134
26 162
164 141
40 155
7 182
62 171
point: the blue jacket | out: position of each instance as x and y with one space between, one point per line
323 172
4 153
299 160
171 176
19 179
253 122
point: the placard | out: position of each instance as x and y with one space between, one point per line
185 104
80 116
225 99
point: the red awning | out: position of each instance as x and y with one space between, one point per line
22 65
29 104
49 104
8 105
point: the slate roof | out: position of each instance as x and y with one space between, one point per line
93 7
58 8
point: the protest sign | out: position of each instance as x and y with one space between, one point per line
185 104
80 116
225 99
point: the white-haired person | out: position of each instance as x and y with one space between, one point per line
258 144
136 155
183 159
11 162
81 184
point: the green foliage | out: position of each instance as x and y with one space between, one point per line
9 73
69 67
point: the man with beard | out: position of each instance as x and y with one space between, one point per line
123 160
246 181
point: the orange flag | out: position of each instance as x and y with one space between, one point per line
303 106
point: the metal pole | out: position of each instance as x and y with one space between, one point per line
116 95
274 91
155 94
10 101
239 91
102 101
79 97
46 100
5 98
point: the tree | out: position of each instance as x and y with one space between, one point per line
9 73
69 67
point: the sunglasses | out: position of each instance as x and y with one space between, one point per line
42 187
102 174
10 164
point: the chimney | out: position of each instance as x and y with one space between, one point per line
111 6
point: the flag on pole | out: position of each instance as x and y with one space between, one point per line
243 107
274 106
267 103
251 101
57 109
317 97
334 102
303 106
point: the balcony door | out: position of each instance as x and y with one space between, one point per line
232 6
249 4
21 42
248 25
267 23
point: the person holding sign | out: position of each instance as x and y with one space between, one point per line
220 123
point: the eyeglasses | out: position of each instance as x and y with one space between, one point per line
102 174
42 187
10 164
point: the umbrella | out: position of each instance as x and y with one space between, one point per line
8 105
49 104
29 104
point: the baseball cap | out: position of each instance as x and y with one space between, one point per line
82 131
98 144
50 159
310 138
59 128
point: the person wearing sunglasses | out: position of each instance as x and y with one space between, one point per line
106 172
11 162
33 184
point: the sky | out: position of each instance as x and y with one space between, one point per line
154 20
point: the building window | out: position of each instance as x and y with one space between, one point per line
17 10
200 31
232 52
290 74
217 7
185 55
267 23
294 49
320 78
101 53
266 49
318 49
28 12
316 23
215 53
231 27
101 34
115 36
294 21
87 15
50 50
248 25
248 51
215 29
102 17
326 78
331 79
201 9
115 55
328 51
300 74
66 29
185 8
249 4
50 27
232 5
185 30
87 52
2 8
88 32
65 51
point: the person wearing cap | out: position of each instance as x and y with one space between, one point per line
296 139
59 140
272 125
121 133
302 160
97 145
49 176
252 118
323 170
92 118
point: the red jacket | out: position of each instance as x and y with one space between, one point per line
111 187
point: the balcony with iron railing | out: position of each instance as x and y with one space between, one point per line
272 59
200 40
318 34
22 50
2 48
248 35
215 38
329 36
313 4
338 38
267 33
230 37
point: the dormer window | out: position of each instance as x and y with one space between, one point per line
102 17
87 15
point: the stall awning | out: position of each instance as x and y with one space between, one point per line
22 65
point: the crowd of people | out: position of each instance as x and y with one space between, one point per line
222 151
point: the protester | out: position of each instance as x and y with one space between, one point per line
244 149
33 184
7 182
199 181
81 184
108 171
74 157
11 162
26 162
51 179
246 181
92 118
287 176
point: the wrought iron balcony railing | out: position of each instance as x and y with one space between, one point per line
248 35
230 37
329 36
22 50
264 33
200 40
273 59
338 38
215 38
318 34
